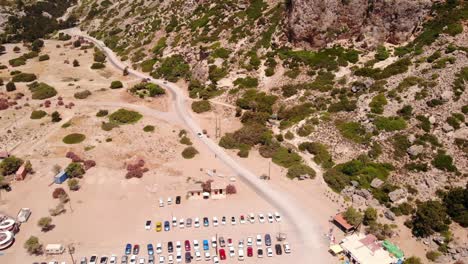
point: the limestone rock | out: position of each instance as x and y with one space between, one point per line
415 150
398 196
376 183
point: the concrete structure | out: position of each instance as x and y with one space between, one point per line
195 192
23 215
21 173
366 249
218 190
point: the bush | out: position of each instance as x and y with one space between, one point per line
97 65
10 87
147 89
381 53
353 131
247 82
75 170
173 68
82 95
24 77
305 130
33 246
45 223
74 138
148 128
38 114
41 91
44 57
189 152
73 184
201 106
412 260
116 85
389 123
10 165
231 189
298 170
58 192
444 162
108 126
320 152
123 116
102 113
455 200
286 158
352 216
430 217
76 63
377 104
56 117
433 255
186 141
17 62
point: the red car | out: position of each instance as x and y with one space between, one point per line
187 245
222 254
249 252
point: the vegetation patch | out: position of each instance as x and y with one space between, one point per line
320 152
247 82
298 170
144 89
24 77
82 95
38 114
74 138
173 68
148 128
189 152
116 85
124 116
41 90
389 124
353 131
201 106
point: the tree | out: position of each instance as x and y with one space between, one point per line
412 260
73 184
352 216
10 87
370 216
58 192
77 43
37 45
231 189
456 202
430 217
45 223
76 63
56 117
10 165
75 170
33 246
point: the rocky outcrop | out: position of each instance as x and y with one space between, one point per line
317 22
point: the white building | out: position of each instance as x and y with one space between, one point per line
366 249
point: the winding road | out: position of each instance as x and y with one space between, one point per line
314 246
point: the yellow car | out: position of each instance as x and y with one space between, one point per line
158 227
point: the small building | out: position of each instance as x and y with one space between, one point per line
21 173
195 192
60 178
23 215
366 249
341 222
53 249
4 155
218 190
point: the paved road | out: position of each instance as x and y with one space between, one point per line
311 234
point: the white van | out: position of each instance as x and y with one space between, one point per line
240 254
54 249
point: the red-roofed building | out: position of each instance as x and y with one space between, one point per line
21 173
4 154
342 223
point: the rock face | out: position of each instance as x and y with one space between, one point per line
318 22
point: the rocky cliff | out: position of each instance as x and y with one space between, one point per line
318 22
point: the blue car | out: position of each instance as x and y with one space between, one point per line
167 226
150 249
128 249
206 245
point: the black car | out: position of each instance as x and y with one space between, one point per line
93 259
170 247
278 249
260 253
177 200
103 260
7 187
268 240
188 257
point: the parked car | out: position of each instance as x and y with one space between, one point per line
161 259
170 259
169 200
167 226
133 259
124 259
215 260
223 220
259 253
151 259
251 218
178 246
188 223
241 243
229 242
187 245
242 219
277 217
240 254
207 255
270 218
261 218
148 225
159 248
259 240
269 252
142 261
196 245
181 223
268 240
196 222
278 249
233 220
206 245
249 241
170 247
198 255
93 259
215 221
206 222
150 249
249 252
136 249
83 260
158 227
222 254
161 202
222 243
128 249
179 257
177 200
113 259
213 242
103 260
287 248
188 257
174 221
232 252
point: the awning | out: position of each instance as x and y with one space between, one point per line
336 249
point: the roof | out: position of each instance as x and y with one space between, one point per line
54 246
21 170
342 222
366 250
218 186
196 187
4 154
336 249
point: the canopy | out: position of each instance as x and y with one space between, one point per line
336 249
393 249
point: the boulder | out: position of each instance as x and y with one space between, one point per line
389 215
376 183
415 150
398 196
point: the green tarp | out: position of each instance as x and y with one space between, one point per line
393 249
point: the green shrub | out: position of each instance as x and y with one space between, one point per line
10 87
108 126
67 124
392 123
201 106
38 114
286 158
41 91
99 56
17 62
221 53
147 65
430 217
189 152
305 130
116 85
147 89
74 138
24 77
298 170
102 113
10 165
377 104
247 82
160 46
433 255
82 95
173 68
353 131
97 65
44 57
55 117
444 162
320 152
186 141
381 53
289 135
75 170
123 116
406 111
424 124
148 128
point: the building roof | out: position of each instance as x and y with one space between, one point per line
342 222
196 187
366 249
4 154
21 170
218 186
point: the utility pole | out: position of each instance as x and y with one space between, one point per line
269 170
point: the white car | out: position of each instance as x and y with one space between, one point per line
270 218
287 248
181 223
223 220
196 223
148 225
196 245
215 221
161 259
242 219
261 218
170 259
174 221
113 259
169 200
207 255
259 240
233 220
251 218
178 246
232 252
241 243
199 135
159 248
249 241
198 255
142 261
161 202
213 242
133 259
215 260
179 257
240 254
269 252
277 217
